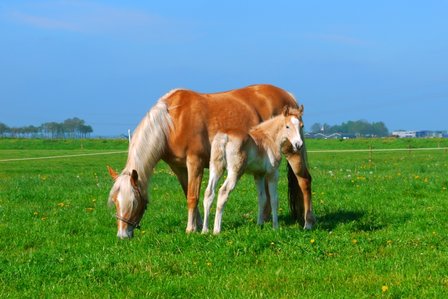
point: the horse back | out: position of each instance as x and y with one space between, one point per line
198 117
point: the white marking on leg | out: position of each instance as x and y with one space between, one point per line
209 196
223 196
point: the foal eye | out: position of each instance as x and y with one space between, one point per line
287 127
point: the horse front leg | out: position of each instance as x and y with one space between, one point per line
305 186
300 187
195 171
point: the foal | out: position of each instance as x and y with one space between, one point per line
258 153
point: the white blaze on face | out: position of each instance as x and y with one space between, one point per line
296 140
124 230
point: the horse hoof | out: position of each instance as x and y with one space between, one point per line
190 230
308 226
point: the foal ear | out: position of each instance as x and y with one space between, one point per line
286 111
112 173
134 178
301 108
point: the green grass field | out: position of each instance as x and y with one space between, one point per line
382 228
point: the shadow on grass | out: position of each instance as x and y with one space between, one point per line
331 220
358 220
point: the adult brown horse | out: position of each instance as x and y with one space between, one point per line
179 130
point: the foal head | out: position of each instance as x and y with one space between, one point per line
130 201
293 126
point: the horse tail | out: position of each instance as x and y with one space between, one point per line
295 195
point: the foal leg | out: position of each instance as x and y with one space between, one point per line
272 185
262 200
223 195
216 170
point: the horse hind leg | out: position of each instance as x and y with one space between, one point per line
223 195
216 170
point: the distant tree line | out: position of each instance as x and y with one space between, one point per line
70 128
357 128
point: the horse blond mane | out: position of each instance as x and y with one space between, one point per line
149 139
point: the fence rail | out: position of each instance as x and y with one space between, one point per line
310 151
379 150
62 156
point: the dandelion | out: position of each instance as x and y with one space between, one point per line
61 204
312 241
36 213
385 289
209 264
417 177
89 209
354 241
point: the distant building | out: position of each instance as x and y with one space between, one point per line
404 134
429 134
420 134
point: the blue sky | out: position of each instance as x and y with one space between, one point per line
107 62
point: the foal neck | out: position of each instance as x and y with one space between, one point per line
267 136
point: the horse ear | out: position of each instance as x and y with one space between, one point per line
134 178
112 173
301 108
286 111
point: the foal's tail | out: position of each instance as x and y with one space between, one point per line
295 196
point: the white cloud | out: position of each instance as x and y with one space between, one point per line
94 18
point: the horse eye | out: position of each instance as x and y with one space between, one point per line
287 127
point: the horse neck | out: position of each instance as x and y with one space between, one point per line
149 142
267 136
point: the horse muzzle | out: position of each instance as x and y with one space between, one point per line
126 233
297 146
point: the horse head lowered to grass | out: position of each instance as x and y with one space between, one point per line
179 129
